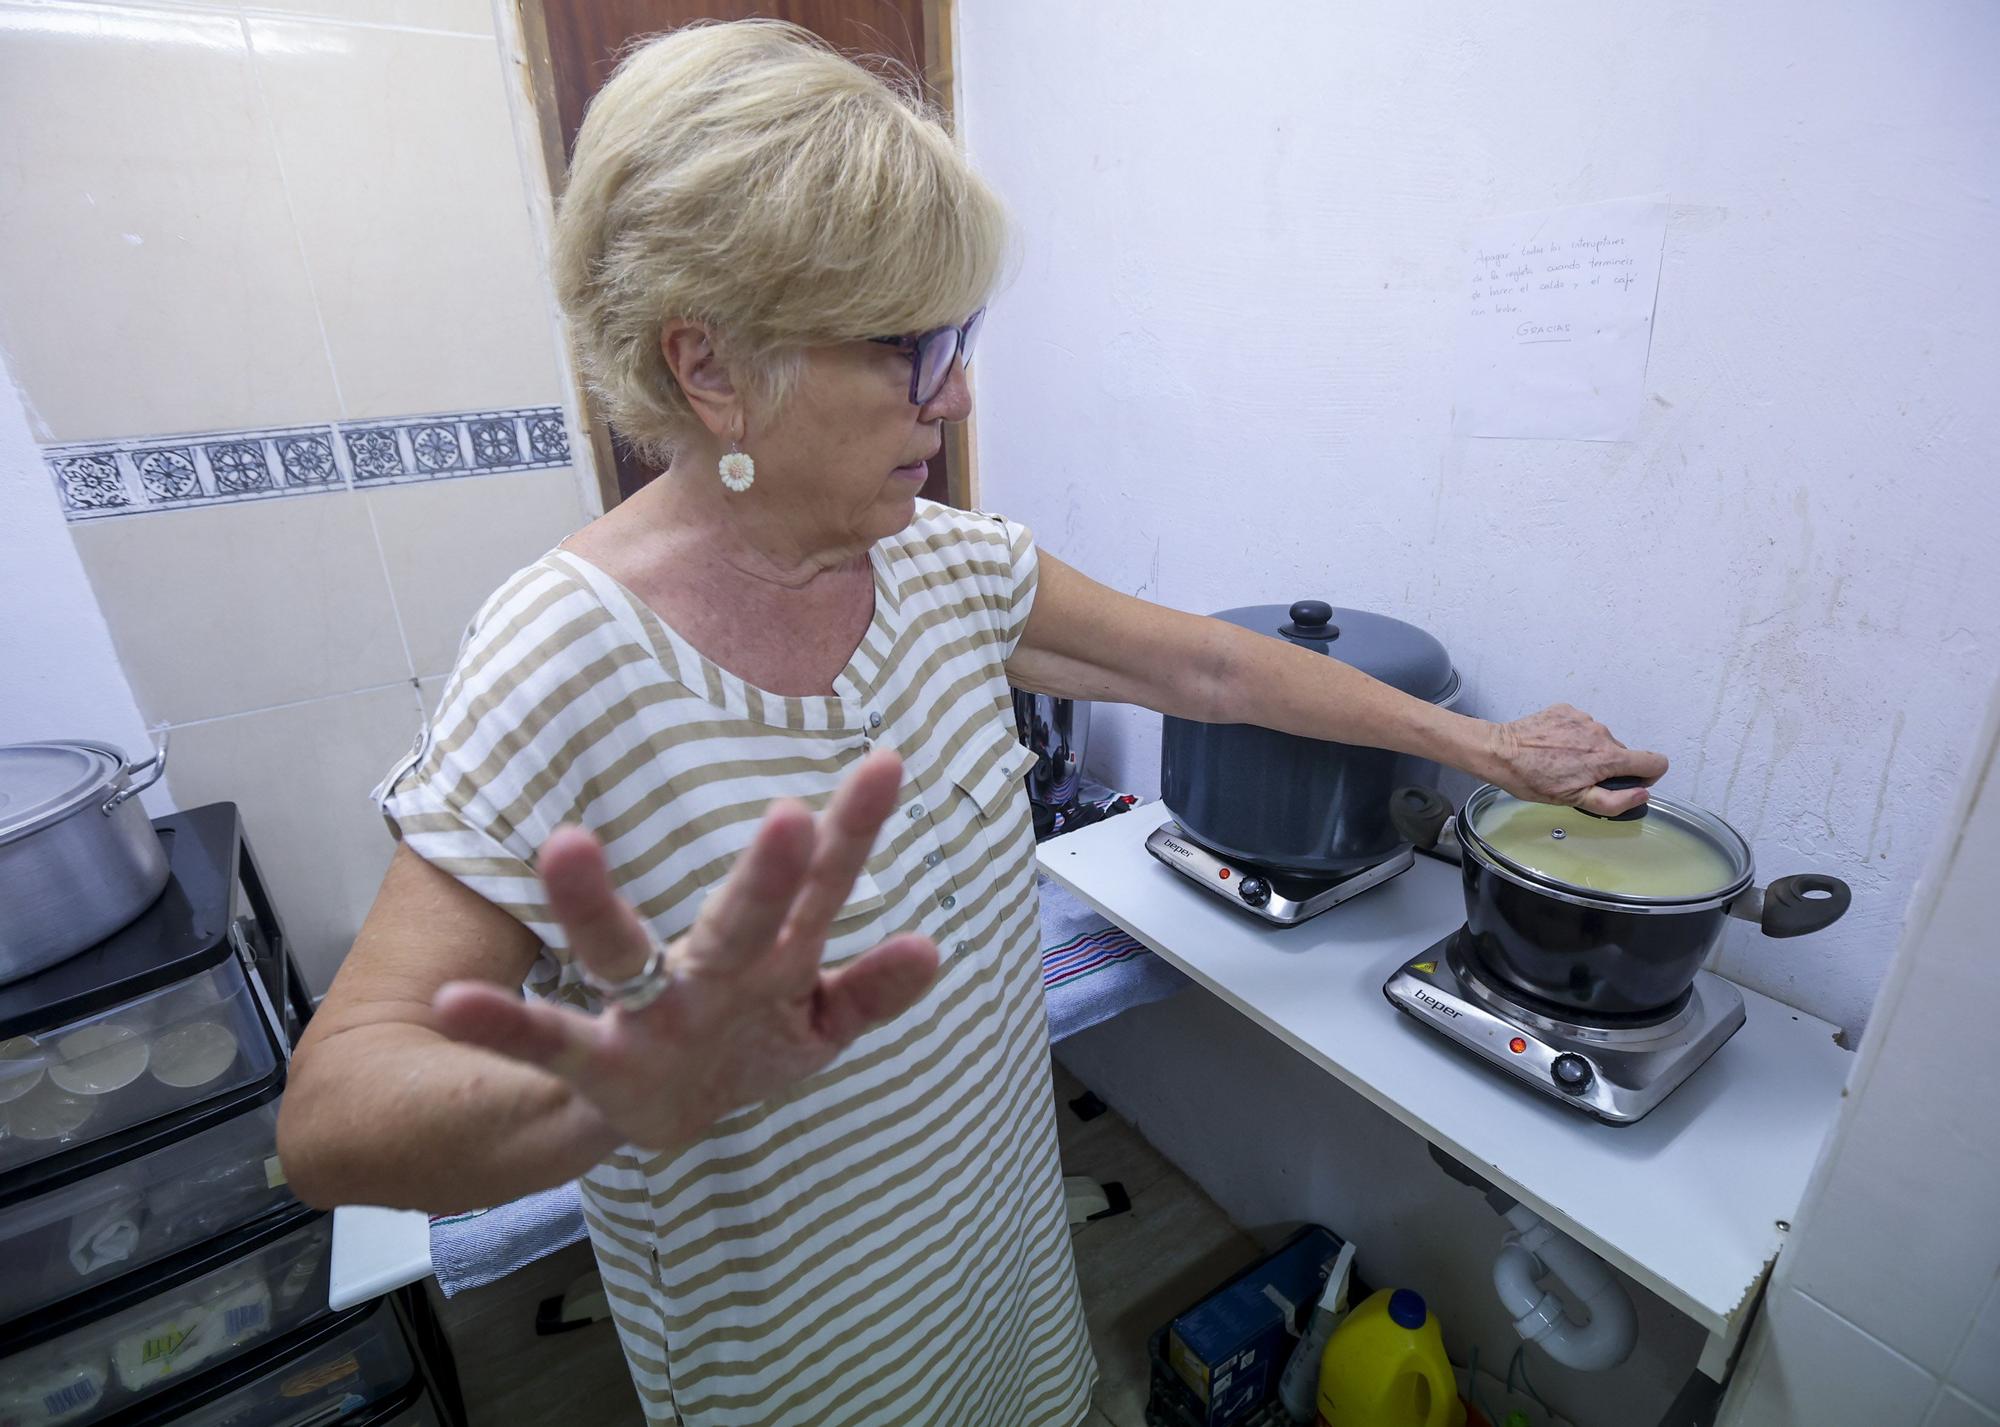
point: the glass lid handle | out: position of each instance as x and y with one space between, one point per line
1619 785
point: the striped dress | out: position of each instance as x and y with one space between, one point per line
886 1241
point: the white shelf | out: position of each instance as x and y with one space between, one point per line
374 1251
1688 1201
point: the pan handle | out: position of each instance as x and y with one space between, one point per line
1796 905
1420 816
153 767
1806 902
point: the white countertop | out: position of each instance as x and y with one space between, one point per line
1688 1201
375 1250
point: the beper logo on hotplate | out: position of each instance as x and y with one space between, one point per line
1435 1004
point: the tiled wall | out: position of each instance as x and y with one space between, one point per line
272 294
1885 1308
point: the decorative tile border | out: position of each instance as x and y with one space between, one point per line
96 479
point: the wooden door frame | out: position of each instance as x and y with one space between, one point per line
940 78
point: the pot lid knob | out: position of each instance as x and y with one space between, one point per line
1311 619
1619 785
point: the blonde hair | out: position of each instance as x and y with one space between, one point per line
748 177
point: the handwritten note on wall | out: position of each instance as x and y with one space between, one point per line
1558 320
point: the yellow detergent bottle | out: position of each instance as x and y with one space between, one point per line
1385 1366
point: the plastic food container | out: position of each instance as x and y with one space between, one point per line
90 1359
76 1236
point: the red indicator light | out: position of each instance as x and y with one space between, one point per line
1517 1045
1223 874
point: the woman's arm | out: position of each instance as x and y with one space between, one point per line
427 1081
1086 641
381 1107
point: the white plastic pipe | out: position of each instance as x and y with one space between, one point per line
1535 1251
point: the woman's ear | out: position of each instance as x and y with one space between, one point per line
691 356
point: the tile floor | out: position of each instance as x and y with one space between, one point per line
1137 1270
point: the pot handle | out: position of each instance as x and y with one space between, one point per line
153 767
1791 910
1787 908
1419 815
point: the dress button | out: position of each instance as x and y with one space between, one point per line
961 947
874 720
932 859
948 901
916 811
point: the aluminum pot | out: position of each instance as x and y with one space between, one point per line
1586 946
79 858
1304 805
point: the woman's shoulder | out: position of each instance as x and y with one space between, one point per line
962 542
559 605
534 643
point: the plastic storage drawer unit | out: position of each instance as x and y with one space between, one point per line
98 1354
326 1372
159 1018
70 1238
419 1411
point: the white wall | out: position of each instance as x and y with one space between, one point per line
1222 376
1885 1307
230 238
59 676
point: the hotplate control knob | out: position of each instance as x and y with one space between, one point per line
1571 1073
1254 890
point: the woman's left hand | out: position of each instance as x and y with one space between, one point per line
1560 755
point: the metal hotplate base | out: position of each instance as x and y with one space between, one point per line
1625 1070
1283 898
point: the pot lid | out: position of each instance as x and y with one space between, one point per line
1400 655
1675 853
43 783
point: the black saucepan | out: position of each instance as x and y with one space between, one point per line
1611 919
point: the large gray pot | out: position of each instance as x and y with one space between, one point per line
79 858
1296 804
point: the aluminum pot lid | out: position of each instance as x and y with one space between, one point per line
1400 655
1676 853
43 783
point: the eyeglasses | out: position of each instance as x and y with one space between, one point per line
932 353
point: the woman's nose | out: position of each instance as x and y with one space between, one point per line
953 401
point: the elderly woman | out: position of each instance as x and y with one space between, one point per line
729 780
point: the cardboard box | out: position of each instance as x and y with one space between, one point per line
1230 1348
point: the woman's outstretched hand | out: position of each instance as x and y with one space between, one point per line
749 1009
1560 756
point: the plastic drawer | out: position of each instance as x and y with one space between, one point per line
72 1238
217 1303
66 1086
335 1370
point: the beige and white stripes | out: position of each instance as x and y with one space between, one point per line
885 1243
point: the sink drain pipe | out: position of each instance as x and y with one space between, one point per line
1535 1251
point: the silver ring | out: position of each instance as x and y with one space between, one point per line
637 992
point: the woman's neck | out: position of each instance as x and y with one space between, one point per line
755 539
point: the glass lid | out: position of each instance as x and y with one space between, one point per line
1673 854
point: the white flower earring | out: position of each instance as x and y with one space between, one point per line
738 470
